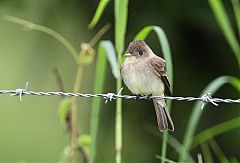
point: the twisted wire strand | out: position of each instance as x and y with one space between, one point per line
206 98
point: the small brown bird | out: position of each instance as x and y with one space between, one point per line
144 73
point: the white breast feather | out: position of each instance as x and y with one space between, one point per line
142 80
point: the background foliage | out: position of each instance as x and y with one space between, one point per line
31 130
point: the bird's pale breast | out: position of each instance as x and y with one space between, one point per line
140 78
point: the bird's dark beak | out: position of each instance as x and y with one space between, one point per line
127 55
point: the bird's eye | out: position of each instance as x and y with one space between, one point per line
140 52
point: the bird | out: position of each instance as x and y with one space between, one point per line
144 73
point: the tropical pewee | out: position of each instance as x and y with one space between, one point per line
144 73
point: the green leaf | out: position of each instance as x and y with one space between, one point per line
224 23
168 57
111 56
64 109
84 141
165 160
172 141
215 131
236 84
236 9
101 7
96 103
121 13
234 160
218 151
197 112
143 33
207 156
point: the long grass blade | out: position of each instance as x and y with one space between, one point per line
234 160
224 23
121 12
166 51
96 103
196 114
168 57
215 131
236 9
236 83
112 58
142 35
172 141
218 151
101 7
207 156
165 160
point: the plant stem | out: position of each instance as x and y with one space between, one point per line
118 127
74 131
164 146
100 33
33 26
120 13
96 103
166 133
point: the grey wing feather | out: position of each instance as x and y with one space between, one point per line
158 64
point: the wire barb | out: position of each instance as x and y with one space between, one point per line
110 96
20 92
205 98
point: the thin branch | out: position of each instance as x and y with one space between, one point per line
100 33
33 26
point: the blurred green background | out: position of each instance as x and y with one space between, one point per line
31 131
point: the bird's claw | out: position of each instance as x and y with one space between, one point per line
138 96
149 97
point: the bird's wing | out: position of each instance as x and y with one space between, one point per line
158 65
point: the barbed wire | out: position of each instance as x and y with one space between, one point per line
205 98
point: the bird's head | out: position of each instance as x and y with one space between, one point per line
138 49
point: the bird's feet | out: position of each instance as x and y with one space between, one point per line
138 96
149 97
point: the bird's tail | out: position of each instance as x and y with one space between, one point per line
163 117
